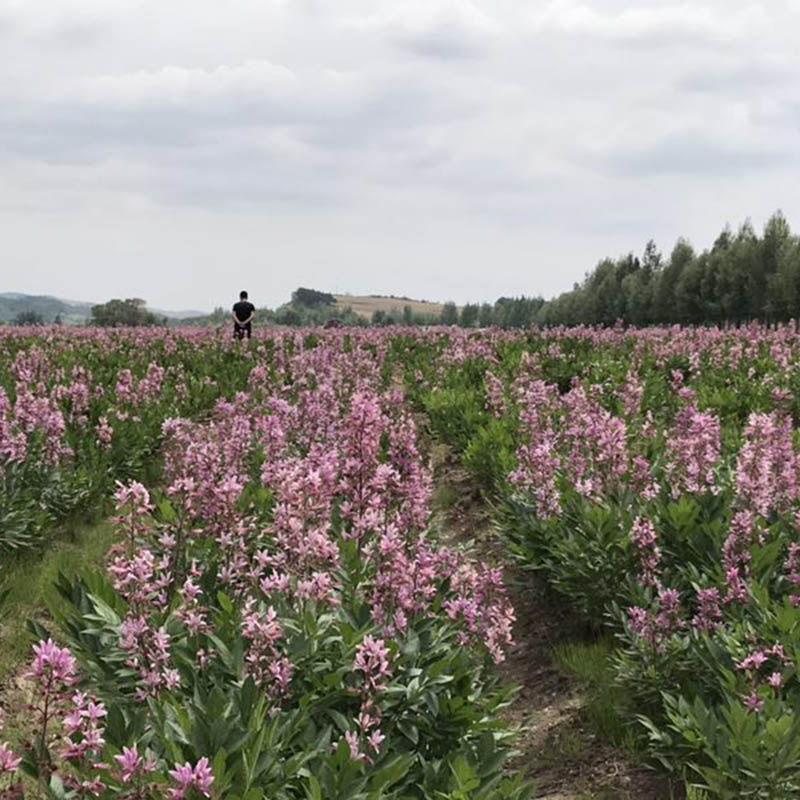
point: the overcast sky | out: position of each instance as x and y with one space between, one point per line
179 150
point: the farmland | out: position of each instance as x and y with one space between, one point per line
252 591
366 305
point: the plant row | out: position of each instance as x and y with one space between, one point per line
277 618
653 479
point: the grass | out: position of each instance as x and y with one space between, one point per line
606 702
445 497
568 745
30 583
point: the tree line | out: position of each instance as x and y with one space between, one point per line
742 277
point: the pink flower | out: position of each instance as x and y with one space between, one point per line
645 540
53 661
754 661
753 702
372 658
374 740
775 680
130 761
200 778
105 433
709 615
693 450
203 777
9 761
766 469
355 746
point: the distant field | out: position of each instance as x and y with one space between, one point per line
366 305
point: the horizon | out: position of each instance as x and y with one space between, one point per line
78 302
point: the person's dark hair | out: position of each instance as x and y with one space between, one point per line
243 295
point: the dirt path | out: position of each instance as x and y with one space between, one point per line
558 750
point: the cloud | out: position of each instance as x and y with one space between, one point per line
741 75
77 23
652 22
443 30
216 89
698 155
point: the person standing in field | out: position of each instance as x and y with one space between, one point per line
243 313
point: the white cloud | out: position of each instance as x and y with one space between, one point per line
652 21
196 87
450 29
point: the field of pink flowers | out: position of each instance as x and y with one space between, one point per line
279 618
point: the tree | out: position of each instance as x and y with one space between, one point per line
604 295
469 315
688 303
651 260
118 313
286 315
664 292
486 315
28 318
637 293
449 314
311 298
777 243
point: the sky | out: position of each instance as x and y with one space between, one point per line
441 149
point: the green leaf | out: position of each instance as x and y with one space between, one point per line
314 790
225 602
340 719
391 773
409 730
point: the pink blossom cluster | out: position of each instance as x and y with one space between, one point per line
538 457
693 452
709 611
9 760
767 465
68 738
792 570
373 662
595 445
645 542
764 667
495 394
134 766
571 437
198 778
656 627
32 415
631 394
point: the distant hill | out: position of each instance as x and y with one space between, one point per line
72 312
365 305
77 312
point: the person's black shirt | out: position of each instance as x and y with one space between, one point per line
243 309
